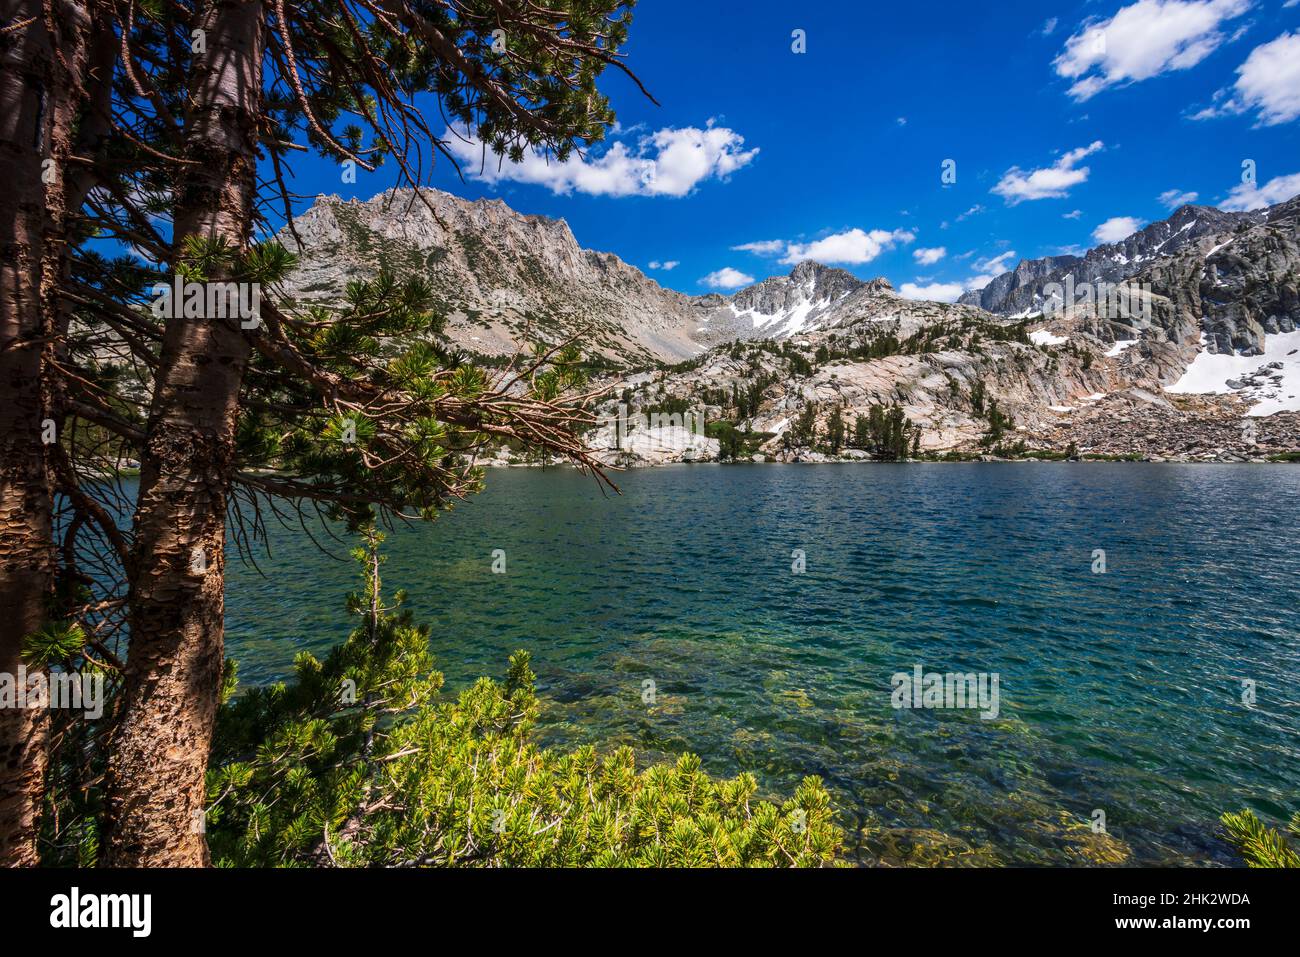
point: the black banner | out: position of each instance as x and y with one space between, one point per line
361 907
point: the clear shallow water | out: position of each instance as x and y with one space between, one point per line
1119 692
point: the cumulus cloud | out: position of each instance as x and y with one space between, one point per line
727 278
928 257
850 247
1050 27
1072 214
666 265
765 247
1269 80
1053 182
1173 198
1116 228
1143 40
670 162
1267 83
853 247
1248 196
933 292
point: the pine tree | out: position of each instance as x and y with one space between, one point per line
358 411
805 426
861 432
835 431
999 424
48 54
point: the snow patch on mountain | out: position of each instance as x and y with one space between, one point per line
1272 380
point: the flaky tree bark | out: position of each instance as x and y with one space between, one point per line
155 786
42 83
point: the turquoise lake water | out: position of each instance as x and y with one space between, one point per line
1119 692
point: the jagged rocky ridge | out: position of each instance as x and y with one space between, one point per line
1020 290
1232 274
1219 285
505 277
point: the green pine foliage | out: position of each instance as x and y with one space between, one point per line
1261 845
359 762
887 433
54 643
731 441
999 424
835 431
803 432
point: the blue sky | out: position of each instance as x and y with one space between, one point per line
1067 122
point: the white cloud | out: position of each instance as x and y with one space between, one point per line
973 211
1268 82
666 265
765 247
986 270
727 278
1073 214
1173 198
1050 27
854 247
1116 228
928 257
1053 182
934 292
670 162
1247 196
1143 40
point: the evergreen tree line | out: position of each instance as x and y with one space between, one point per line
887 434
884 431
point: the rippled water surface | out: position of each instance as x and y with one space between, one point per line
1119 692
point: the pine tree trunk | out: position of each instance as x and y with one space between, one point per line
42 83
155 786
